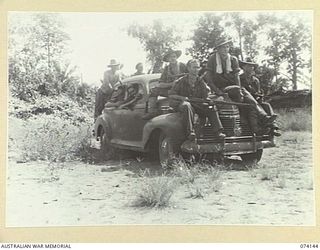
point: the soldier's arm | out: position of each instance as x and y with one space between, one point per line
236 70
175 90
208 77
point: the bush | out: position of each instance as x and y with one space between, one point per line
51 139
155 191
295 120
59 106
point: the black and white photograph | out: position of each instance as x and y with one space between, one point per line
160 118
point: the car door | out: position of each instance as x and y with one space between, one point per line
129 120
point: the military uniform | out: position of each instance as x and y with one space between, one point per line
252 85
171 72
226 74
105 91
188 86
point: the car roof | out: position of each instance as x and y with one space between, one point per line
142 78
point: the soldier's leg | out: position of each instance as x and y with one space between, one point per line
268 108
274 126
261 114
213 116
188 117
98 103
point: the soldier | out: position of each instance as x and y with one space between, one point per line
252 84
223 71
110 78
189 86
131 97
117 97
139 68
174 69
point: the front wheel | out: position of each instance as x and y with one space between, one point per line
167 150
252 158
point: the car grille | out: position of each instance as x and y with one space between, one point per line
236 129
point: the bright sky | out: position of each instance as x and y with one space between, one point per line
98 37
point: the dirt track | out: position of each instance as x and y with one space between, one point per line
278 192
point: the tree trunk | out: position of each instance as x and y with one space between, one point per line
240 44
294 70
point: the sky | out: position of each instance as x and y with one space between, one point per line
96 38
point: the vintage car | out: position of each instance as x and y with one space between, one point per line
163 134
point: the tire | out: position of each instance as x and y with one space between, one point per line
106 150
252 158
167 150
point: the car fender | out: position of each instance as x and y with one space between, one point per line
171 124
102 120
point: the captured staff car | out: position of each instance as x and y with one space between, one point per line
163 135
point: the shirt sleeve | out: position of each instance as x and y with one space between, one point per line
175 90
205 90
235 64
164 75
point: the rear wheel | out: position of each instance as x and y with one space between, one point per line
252 158
167 150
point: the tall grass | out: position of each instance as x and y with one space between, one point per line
299 119
51 139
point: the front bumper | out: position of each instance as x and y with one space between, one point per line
229 146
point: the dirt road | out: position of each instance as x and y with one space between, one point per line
279 191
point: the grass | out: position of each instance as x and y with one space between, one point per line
199 179
295 120
155 191
49 138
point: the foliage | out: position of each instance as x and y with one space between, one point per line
38 60
51 139
59 106
208 30
296 40
156 40
290 39
295 120
247 33
282 42
52 129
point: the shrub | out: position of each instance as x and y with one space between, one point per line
155 191
201 177
295 120
52 139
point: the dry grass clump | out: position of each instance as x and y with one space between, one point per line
201 178
299 119
155 191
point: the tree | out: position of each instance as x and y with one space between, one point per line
297 40
275 51
290 43
156 40
246 30
205 36
36 50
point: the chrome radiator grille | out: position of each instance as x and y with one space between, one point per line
236 129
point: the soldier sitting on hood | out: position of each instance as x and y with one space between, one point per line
223 73
188 86
252 84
